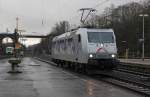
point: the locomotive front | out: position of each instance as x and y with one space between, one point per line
102 47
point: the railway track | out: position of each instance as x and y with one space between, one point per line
132 80
134 72
145 69
128 85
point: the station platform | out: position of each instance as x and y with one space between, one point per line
39 79
136 61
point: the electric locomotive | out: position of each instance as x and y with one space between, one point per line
86 47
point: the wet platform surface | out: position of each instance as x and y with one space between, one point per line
43 80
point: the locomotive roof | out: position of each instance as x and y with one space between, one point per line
99 30
70 33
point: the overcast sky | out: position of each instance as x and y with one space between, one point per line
31 13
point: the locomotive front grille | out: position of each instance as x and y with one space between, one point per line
102 56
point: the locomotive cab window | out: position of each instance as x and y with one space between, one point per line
100 37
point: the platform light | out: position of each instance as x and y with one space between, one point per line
143 36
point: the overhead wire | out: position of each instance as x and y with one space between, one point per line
95 6
101 3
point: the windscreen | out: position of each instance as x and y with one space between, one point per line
100 37
9 49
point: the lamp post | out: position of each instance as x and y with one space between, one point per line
143 36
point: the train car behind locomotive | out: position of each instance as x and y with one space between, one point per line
86 47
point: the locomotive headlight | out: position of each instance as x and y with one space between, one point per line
101 45
91 56
113 56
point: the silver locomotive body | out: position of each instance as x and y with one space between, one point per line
86 46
